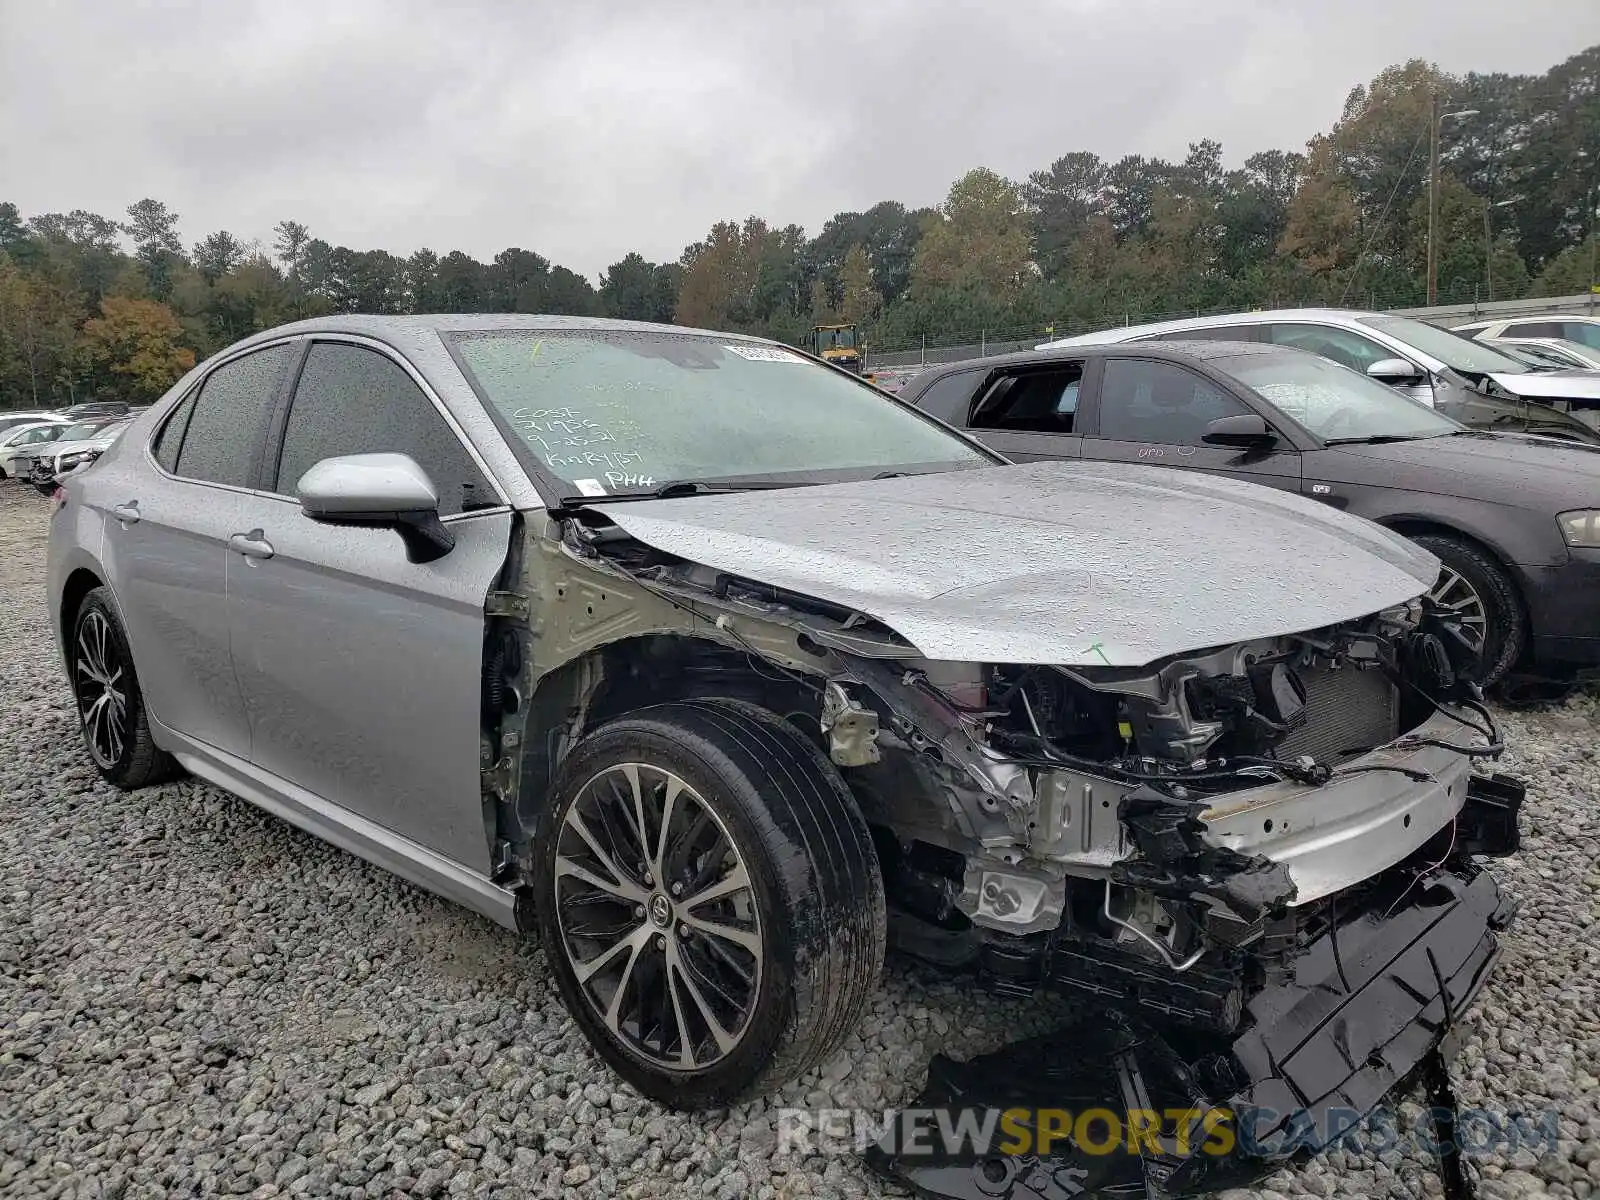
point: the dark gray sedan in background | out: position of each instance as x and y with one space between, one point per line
1514 519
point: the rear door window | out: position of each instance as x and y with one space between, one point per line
1535 329
1032 401
1211 333
1338 345
228 425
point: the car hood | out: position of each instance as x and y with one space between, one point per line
1051 562
55 448
1508 468
1573 384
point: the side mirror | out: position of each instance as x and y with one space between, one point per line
1248 431
1394 370
390 490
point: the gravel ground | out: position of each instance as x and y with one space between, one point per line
196 999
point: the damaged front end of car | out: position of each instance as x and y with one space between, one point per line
1257 856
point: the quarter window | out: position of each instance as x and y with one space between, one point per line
224 433
169 438
1146 401
947 398
352 400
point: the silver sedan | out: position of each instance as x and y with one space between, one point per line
699 658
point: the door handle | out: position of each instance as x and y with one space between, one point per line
127 513
252 545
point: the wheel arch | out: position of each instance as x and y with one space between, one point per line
630 674
1409 526
77 585
1419 526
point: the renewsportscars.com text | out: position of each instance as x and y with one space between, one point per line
978 1132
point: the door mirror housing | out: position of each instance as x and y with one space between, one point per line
1248 431
389 490
1394 370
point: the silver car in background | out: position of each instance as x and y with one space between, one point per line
1468 380
710 663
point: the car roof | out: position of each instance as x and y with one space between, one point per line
1258 317
1176 349
424 328
1586 318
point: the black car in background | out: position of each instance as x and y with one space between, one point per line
1514 519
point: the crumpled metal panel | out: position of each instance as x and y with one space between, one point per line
1364 1007
1077 564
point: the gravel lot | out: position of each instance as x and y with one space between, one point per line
196 999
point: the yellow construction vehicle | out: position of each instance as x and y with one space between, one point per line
838 345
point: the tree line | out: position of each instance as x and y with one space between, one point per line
93 306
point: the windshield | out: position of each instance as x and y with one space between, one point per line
1334 402
81 431
628 411
1452 349
833 339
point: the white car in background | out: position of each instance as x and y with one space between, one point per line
1464 378
24 439
20 417
1573 327
1556 352
79 444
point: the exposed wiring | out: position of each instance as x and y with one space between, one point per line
752 652
1489 729
1430 869
1410 773
916 679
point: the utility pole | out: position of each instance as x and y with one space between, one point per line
1590 215
1488 254
1434 119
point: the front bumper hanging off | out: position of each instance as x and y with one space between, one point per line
1361 1009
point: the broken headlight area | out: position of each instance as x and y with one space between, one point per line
1150 829
1122 1105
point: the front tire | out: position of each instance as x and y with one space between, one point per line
111 711
710 900
1475 585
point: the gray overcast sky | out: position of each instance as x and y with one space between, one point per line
585 134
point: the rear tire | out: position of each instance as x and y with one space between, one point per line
694 1017
111 711
1472 580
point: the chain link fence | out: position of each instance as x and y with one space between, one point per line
981 343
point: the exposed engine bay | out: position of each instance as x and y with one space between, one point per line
1163 837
